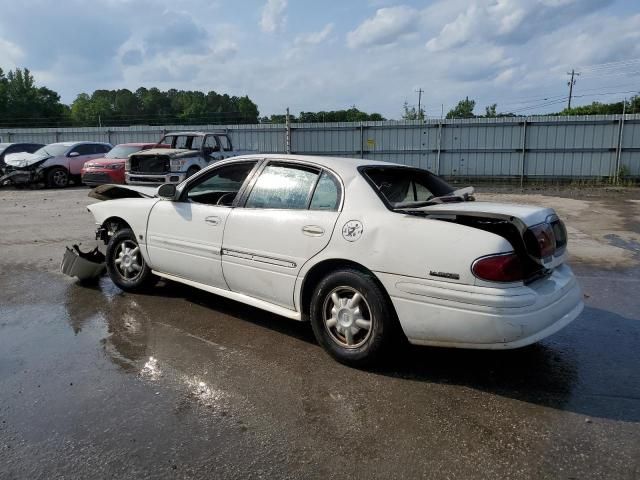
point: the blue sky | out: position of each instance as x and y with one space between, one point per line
331 54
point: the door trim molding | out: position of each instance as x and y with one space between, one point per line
258 258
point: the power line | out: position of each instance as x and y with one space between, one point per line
611 65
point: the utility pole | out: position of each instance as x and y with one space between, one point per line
571 83
287 140
420 92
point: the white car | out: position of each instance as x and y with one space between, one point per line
363 250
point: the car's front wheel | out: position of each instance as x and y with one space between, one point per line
57 177
352 317
125 264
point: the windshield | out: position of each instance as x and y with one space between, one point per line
401 187
122 151
52 150
188 142
3 146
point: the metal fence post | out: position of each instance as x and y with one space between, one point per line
439 147
616 174
361 140
524 152
288 132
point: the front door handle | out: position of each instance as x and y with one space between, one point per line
212 220
313 230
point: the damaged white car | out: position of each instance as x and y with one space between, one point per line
363 250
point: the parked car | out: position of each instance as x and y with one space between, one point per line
110 168
362 249
9 148
188 153
54 164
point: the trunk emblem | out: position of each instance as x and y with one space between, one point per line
453 276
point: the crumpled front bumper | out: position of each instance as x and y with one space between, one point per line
19 176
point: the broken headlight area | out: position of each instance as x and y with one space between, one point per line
13 175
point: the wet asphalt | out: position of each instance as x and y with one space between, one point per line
97 383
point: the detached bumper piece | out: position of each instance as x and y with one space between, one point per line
83 265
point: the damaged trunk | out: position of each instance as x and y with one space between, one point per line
537 235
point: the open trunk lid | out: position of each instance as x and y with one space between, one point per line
536 233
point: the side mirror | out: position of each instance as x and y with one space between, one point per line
74 154
167 191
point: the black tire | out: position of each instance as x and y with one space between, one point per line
191 170
57 177
367 346
139 279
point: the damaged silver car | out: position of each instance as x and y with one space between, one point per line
55 164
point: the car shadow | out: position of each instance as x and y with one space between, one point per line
589 368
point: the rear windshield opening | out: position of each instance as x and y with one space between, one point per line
401 186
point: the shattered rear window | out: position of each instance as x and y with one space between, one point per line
398 185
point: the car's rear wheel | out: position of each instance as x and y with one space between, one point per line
57 177
352 318
125 264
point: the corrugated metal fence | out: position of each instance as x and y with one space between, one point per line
517 148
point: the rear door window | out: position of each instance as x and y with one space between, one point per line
84 149
327 193
225 142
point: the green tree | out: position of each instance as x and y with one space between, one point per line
23 103
464 109
411 113
490 110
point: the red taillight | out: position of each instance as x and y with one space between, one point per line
504 267
540 240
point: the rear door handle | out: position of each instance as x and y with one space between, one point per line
313 230
212 220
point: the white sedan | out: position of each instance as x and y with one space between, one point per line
366 251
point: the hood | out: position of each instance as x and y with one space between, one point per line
105 161
168 152
24 159
528 215
112 191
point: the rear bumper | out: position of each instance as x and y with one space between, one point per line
133 178
465 316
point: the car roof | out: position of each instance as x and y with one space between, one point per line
69 144
343 166
195 133
142 144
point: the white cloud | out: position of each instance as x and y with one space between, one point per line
313 38
11 54
384 28
273 16
510 21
